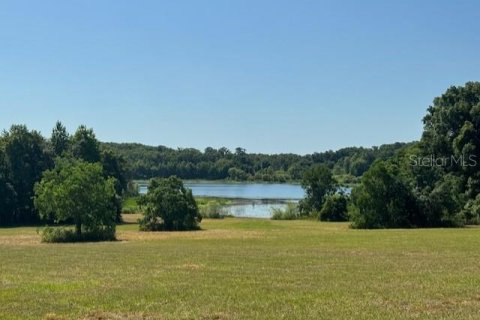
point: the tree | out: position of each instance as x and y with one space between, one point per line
237 174
452 133
318 182
60 139
25 158
85 145
113 167
334 208
77 191
7 193
383 200
169 206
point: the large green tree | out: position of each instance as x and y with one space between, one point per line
452 133
383 199
77 191
318 182
85 146
60 139
169 206
25 158
7 193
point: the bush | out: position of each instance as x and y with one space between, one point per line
291 212
383 200
60 235
335 208
169 206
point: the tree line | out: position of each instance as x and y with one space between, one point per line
145 162
431 183
25 155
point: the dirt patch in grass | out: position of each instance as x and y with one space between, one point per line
120 316
201 234
22 240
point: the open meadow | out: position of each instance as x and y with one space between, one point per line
244 269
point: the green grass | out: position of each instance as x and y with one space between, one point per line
244 269
130 205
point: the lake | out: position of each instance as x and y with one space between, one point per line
258 199
257 191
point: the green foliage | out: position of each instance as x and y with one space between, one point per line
290 212
237 174
145 162
85 146
383 200
7 193
335 208
60 234
24 158
318 183
60 139
114 167
472 210
441 206
77 191
169 206
451 131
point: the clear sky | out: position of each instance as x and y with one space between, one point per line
269 76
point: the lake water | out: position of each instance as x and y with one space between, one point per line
255 191
258 199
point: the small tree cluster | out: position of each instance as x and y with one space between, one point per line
169 206
76 191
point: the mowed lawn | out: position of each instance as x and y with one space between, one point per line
245 269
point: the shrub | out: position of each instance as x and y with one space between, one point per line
291 212
335 208
169 206
60 234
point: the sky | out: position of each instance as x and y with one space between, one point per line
269 76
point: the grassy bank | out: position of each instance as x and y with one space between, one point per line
244 269
130 205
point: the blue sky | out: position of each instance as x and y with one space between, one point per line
269 76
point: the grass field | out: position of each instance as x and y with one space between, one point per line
244 269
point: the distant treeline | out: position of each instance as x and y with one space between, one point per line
144 162
25 155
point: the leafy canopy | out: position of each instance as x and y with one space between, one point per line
77 191
169 207
318 182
